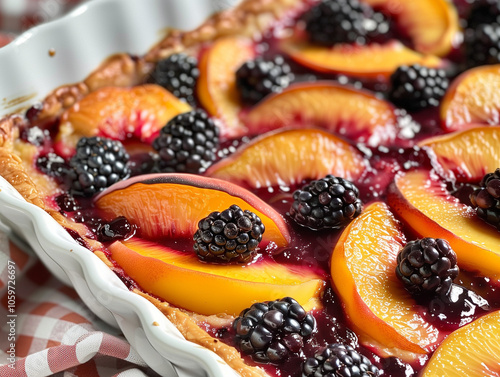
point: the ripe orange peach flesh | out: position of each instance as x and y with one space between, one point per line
377 306
304 154
473 97
452 156
184 281
351 59
120 113
354 114
216 86
423 202
473 351
433 25
170 205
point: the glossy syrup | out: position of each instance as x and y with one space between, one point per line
313 249
308 248
474 296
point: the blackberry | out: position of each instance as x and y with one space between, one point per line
178 74
187 143
257 78
338 360
336 21
230 235
427 265
486 199
378 28
482 45
330 202
416 87
483 12
271 331
98 163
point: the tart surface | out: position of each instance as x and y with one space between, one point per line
320 172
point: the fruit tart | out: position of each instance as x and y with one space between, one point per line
306 188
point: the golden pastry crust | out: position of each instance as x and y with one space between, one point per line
11 164
186 323
250 18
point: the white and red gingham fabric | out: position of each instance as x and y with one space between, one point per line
47 330
52 331
17 16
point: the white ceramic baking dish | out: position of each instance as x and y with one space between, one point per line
82 40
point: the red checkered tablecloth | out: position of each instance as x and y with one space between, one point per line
17 16
47 330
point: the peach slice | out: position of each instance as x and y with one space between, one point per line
120 113
473 97
423 202
217 90
355 114
377 305
170 205
303 154
473 351
452 157
184 281
433 25
351 59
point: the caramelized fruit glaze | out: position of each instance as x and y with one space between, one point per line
309 248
